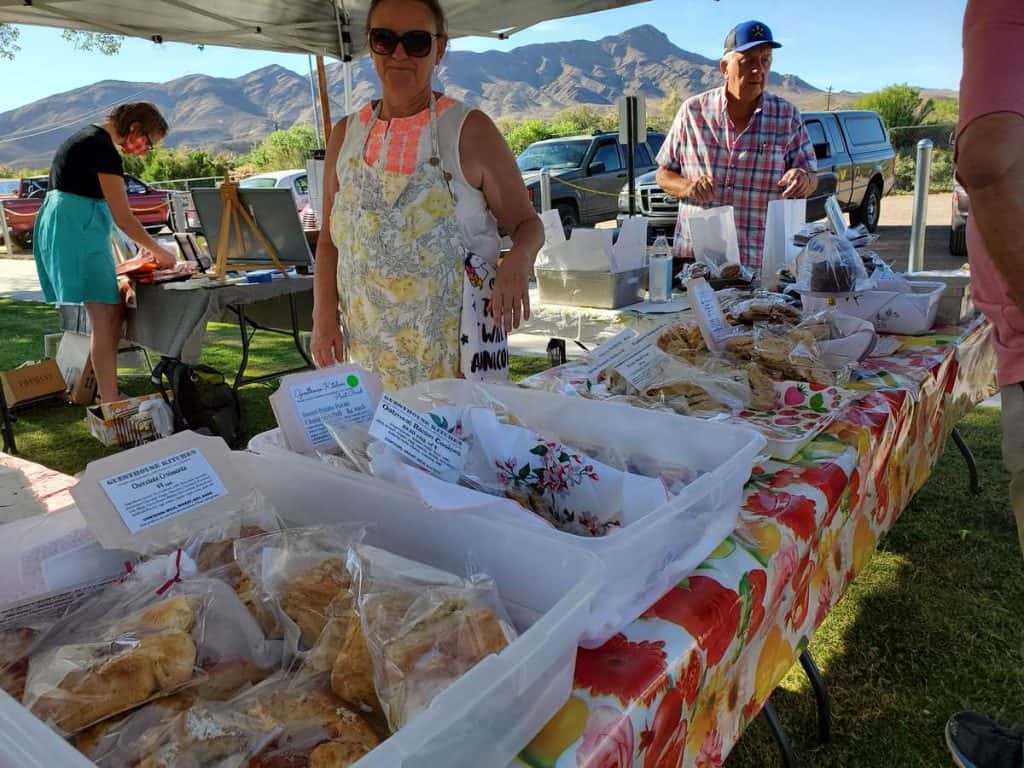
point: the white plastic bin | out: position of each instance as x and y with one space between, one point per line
643 559
908 314
490 713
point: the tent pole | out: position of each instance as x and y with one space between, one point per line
325 103
346 68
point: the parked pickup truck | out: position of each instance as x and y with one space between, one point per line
151 206
856 163
595 166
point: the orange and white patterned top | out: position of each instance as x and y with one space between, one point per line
409 138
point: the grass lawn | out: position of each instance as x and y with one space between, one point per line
934 624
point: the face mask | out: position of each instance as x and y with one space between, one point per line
136 145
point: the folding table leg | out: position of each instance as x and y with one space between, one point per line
295 331
7 427
972 466
821 696
243 328
772 718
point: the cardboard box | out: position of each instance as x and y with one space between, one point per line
32 381
75 364
120 424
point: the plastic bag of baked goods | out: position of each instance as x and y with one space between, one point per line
710 385
424 627
830 264
140 640
120 742
213 552
298 573
281 723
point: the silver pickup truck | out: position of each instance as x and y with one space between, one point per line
856 163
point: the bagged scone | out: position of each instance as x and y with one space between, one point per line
424 628
122 741
213 551
143 639
281 722
297 573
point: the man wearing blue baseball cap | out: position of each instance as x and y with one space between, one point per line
737 145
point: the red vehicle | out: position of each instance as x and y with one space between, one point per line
151 206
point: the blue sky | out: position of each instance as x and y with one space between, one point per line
850 46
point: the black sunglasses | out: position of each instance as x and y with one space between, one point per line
417 43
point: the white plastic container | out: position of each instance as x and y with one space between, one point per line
645 558
907 314
490 714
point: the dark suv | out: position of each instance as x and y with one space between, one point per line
595 168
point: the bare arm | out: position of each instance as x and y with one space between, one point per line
488 165
327 344
117 198
700 190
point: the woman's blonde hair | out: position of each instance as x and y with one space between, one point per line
148 118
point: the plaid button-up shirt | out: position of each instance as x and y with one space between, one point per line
746 167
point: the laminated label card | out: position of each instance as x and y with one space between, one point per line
417 438
713 326
164 488
157 495
619 349
306 400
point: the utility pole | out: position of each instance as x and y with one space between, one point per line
828 107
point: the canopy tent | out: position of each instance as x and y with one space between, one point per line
334 28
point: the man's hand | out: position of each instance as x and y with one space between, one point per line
702 190
510 300
797 183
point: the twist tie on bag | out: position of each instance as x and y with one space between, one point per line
176 578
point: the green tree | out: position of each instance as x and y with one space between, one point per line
945 111
84 41
899 105
519 134
282 150
583 119
183 163
661 118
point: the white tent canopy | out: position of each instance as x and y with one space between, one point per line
334 28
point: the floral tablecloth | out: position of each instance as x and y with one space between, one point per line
679 686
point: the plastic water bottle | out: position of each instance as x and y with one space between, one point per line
659 272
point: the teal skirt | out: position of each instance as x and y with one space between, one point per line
74 257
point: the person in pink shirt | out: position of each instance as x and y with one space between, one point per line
990 165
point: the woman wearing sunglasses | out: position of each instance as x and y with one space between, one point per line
73 235
416 187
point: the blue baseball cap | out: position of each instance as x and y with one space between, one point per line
747 35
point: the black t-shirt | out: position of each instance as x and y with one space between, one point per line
80 158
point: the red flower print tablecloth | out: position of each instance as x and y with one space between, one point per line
680 684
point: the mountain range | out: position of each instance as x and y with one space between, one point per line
233 114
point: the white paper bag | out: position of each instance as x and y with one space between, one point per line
785 219
713 236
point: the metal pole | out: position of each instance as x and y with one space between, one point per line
631 131
919 222
346 68
545 189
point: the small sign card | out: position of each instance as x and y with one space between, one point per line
153 497
415 436
305 401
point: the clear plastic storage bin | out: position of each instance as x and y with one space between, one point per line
492 711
